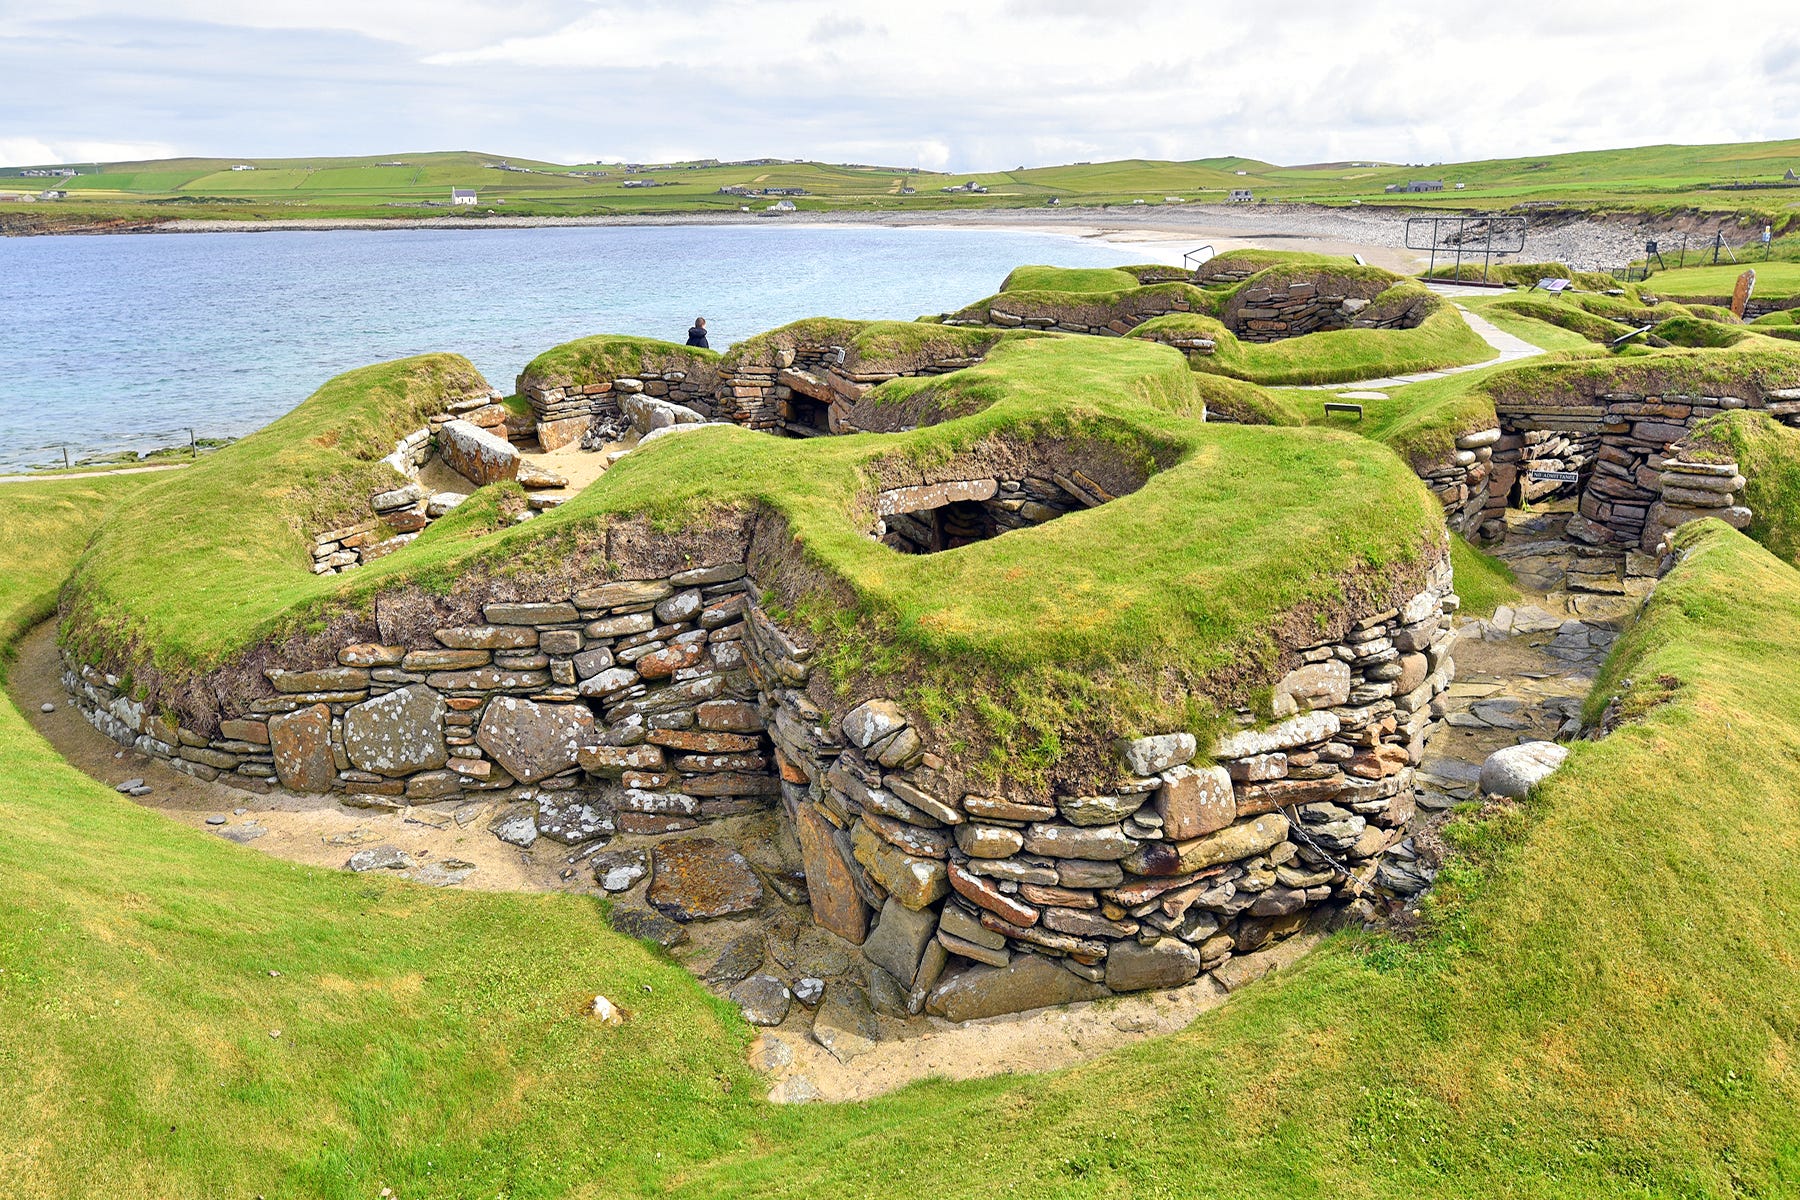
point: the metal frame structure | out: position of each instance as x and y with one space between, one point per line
1490 235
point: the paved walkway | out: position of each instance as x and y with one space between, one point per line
1511 349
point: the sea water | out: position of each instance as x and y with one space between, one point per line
132 341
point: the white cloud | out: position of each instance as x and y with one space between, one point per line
937 83
30 151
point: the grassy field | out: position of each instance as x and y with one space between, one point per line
1600 1004
1662 179
1774 280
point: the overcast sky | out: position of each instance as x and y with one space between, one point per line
953 84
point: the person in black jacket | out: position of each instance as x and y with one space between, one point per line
697 335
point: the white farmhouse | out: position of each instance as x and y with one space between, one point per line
462 196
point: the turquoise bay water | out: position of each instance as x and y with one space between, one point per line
129 341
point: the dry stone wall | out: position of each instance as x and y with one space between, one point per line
1132 311
1633 434
1691 487
977 902
1620 445
809 389
646 707
565 414
1274 313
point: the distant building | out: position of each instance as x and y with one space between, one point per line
909 190
53 194
1392 187
1053 202
641 183
784 191
1240 172
1791 177
462 196
1242 195
1425 185
736 189
1174 199
782 206
1461 186
243 167
16 198
970 187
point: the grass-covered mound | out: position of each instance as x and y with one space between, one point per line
1601 1004
1421 422
1519 274
1441 338
1563 315
606 357
1697 334
1068 279
1774 280
221 544
871 346
1768 456
1126 615
1090 309
1250 261
147 1047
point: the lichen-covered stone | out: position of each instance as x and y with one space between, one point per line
1242 840
533 741
1148 756
1195 800
301 743
698 879
914 881
477 455
397 734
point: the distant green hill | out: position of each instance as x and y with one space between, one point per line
1743 180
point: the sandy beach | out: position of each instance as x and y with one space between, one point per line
1165 232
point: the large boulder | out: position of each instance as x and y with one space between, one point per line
534 741
301 743
397 734
477 455
1515 770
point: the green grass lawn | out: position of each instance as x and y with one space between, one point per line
1483 582
1601 1003
1774 280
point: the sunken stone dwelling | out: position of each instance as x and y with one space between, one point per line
976 647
